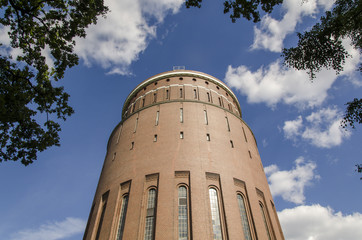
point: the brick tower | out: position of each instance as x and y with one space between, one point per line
182 164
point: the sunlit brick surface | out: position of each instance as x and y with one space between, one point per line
183 129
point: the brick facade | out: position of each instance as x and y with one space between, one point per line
182 129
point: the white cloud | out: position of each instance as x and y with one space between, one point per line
292 128
290 184
52 231
316 222
116 41
272 32
275 83
322 128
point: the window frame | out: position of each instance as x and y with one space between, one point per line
147 212
246 217
187 211
220 213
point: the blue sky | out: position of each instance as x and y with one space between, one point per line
308 159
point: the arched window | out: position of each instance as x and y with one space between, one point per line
265 223
215 214
103 206
244 217
122 217
150 215
182 213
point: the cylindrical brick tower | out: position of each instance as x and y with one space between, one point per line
182 164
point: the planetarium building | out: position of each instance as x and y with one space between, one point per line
182 164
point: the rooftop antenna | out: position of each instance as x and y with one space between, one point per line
178 68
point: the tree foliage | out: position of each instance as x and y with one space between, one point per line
242 8
30 103
359 169
321 47
353 113
318 48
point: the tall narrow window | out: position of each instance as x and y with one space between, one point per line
104 206
180 92
195 94
122 217
244 217
215 214
227 123
119 133
167 94
206 119
207 137
246 140
135 125
132 145
265 224
229 106
182 135
232 144
182 213
143 102
89 218
220 102
154 97
150 217
157 117
249 154
155 138
208 97
181 115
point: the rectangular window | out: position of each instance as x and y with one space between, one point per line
232 144
215 214
167 94
157 117
119 133
249 154
195 94
135 125
182 135
132 145
246 140
89 218
180 92
220 102
208 97
227 123
155 138
264 218
143 102
244 217
207 137
122 217
181 115
154 97
150 216
205 116
182 214
104 206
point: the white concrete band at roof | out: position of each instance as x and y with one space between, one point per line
177 73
